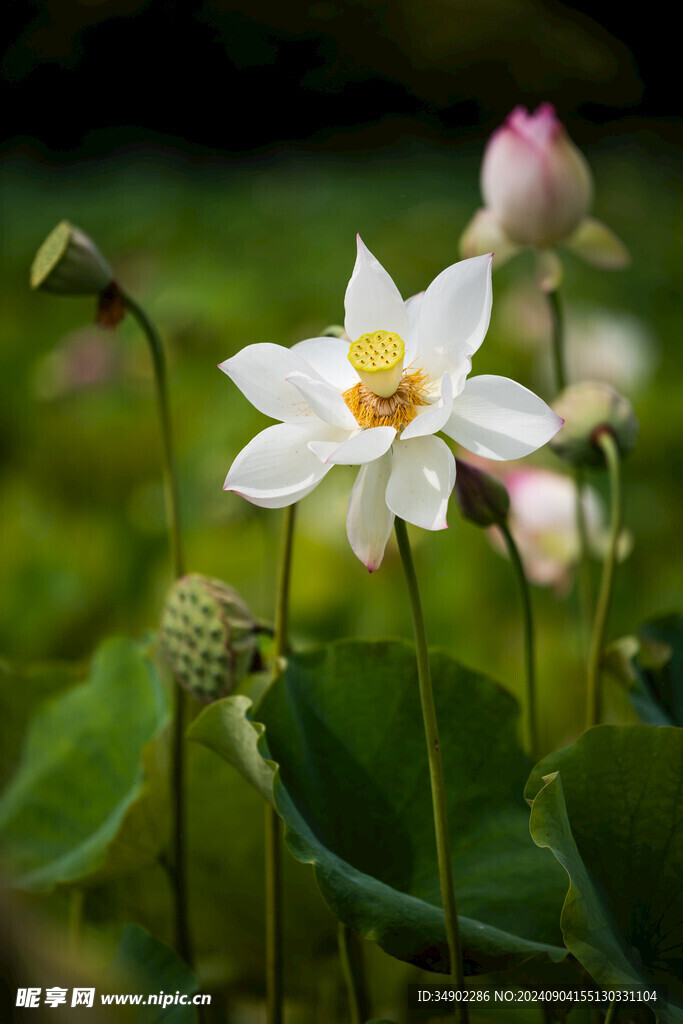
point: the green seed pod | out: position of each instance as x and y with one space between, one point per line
207 635
587 409
482 498
69 263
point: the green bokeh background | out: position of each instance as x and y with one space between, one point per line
226 253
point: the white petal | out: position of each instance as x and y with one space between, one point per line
362 447
372 301
433 417
368 520
277 467
330 358
259 371
456 309
499 419
422 478
324 400
413 306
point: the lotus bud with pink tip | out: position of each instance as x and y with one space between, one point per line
534 179
538 189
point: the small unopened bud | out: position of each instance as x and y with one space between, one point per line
207 635
588 409
335 331
482 498
69 263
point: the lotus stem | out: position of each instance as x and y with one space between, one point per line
75 931
583 568
606 442
438 785
558 340
178 873
352 969
530 716
168 458
273 842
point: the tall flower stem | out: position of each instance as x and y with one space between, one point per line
182 929
611 1013
606 442
273 839
558 339
281 641
273 892
585 584
350 956
168 459
443 846
179 869
582 530
531 725
75 931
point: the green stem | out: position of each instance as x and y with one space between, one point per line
273 890
558 340
529 655
606 442
75 932
352 969
273 845
281 642
179 873
168 459
583 567
435 772
611 1013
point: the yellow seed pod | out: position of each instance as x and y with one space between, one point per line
377 358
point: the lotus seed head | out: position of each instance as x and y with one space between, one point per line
377 358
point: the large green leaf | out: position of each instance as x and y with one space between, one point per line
22 690
351 781
610 809
81 774
148 968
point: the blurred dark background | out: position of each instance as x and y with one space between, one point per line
230 77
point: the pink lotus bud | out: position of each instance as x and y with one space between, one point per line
534 179
543 522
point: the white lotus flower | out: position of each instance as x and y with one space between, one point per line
379 402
